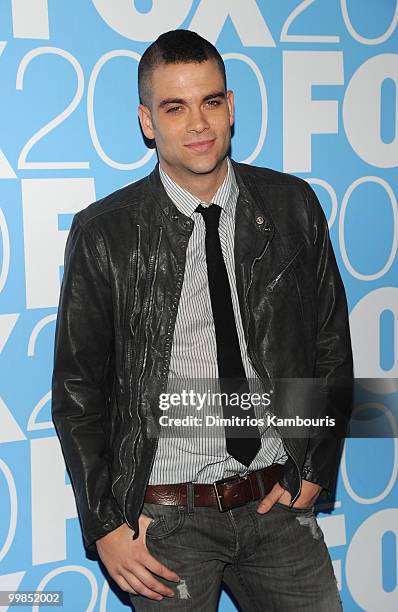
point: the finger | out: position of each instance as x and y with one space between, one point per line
147 581
273 496
158 568
138 588
124 585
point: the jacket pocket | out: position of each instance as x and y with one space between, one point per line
286 267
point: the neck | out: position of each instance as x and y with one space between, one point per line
202 186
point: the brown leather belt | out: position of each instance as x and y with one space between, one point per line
224 494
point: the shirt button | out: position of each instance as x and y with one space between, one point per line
259 220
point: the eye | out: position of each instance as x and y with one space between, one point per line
174 109
213 102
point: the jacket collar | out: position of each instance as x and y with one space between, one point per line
253 224
183 223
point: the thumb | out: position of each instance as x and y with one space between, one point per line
273 496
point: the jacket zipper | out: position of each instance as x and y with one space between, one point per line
272 284
164 385
288 451
137 252
134 260
147 307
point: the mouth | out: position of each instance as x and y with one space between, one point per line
201 146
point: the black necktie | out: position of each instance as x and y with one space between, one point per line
243 442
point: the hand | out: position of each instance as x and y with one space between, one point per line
306 499
130 563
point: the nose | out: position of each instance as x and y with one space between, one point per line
197 121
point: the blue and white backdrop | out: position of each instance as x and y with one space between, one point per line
316 94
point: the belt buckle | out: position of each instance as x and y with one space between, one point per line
231 479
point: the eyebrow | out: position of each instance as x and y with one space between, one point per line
166 101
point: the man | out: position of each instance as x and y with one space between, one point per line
205 269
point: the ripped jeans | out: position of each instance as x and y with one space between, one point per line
273 562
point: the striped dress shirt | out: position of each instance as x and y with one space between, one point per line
191 454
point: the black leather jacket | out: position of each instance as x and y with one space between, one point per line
124 267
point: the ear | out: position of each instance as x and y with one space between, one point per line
231 106
145 118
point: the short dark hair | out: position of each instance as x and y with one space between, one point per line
174 47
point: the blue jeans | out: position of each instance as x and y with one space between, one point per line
276 562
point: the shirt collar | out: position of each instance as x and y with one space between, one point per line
186 202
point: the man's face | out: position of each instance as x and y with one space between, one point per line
190 118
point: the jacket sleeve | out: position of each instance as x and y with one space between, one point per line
333 360
80 389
